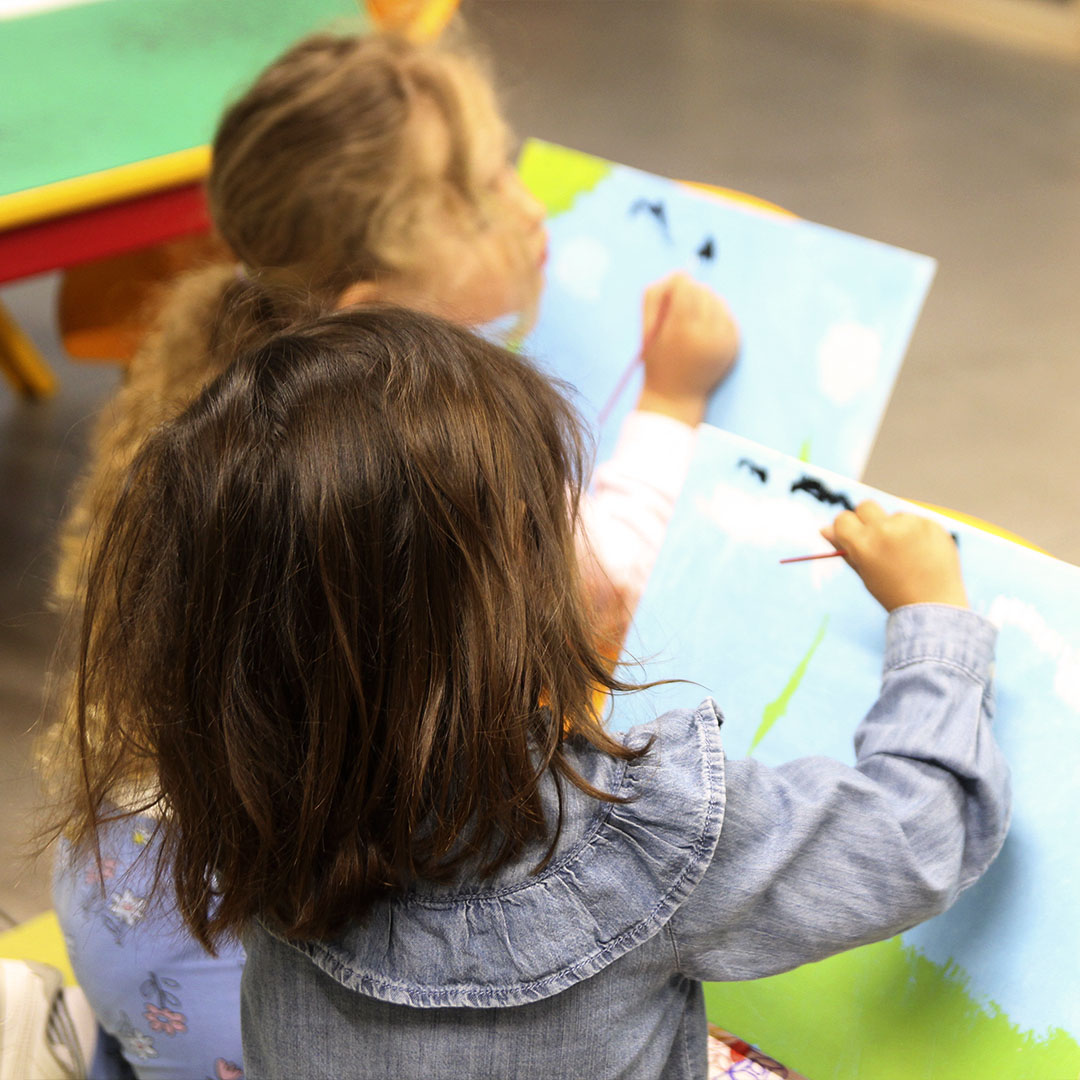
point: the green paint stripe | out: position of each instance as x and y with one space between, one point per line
557 175
775 709
886 1012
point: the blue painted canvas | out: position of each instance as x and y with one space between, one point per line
825 316
792 654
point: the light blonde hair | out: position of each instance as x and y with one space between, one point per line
316 167
314 186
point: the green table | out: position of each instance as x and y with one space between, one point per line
105 114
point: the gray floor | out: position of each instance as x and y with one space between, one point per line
967 151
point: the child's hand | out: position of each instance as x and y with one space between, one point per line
689 345
902 558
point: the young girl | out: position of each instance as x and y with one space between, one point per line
354 169
337 609
359 169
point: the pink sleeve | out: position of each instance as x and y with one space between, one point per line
625 515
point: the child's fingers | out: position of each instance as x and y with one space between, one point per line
651 308
847 531
681 297
853 529
869 513
723 308
707 301
725 320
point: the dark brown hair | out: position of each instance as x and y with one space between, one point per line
336 612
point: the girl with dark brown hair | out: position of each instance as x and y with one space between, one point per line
337 614
354 169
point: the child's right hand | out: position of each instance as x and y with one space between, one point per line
902 558
689 344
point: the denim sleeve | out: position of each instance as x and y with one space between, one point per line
815 857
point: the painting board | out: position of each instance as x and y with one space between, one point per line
825 316
792 654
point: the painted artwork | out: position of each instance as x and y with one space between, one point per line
825 316
792 654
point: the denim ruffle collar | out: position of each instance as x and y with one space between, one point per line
622 876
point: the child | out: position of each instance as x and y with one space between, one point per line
337 608
354 169
359 169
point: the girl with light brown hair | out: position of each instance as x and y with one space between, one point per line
354 170
370 169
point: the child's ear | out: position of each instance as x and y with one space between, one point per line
359 292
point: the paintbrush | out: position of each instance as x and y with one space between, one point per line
808 558
646 345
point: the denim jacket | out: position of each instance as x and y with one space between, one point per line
714 870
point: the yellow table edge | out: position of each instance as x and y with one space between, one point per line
108 186
421 20
752 202
979 523
186 167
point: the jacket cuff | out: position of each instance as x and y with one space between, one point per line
940 632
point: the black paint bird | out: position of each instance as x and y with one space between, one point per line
820 492
757 470
656 209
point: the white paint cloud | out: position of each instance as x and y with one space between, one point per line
848 359
1025 617
580 266
785 527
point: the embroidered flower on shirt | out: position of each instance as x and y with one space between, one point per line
141 838
227 1070
135 1043
172 1023
108 870
128 906
160 988
749 1070
142 1046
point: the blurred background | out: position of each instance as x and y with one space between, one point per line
956 136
